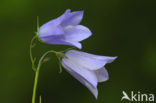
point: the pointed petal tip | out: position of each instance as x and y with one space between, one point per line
79 12
96 95
90 33
74 18
80 47
68 10
77 45
114 58
111 59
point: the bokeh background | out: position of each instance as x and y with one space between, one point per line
123 28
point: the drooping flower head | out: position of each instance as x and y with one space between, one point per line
87 68
65 30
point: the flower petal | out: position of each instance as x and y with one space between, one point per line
86 74
102 75
75 44
88 61
73 18
82 80
59 40
76 33
53 27
46 31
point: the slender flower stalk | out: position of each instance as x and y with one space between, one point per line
40 100
31 56
37 73
33 64
32 45
59 54
37 70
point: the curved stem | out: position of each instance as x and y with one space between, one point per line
37 74
31 57
32 45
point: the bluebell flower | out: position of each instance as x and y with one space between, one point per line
65 30
87 68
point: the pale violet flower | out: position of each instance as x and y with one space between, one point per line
65 30
87 68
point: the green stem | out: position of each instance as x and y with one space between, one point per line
37 74
40 101
32 45
35 86
31 57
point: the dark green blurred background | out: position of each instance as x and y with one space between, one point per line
123 28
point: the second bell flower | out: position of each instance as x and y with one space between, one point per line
87 68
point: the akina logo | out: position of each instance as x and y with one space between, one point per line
138 96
